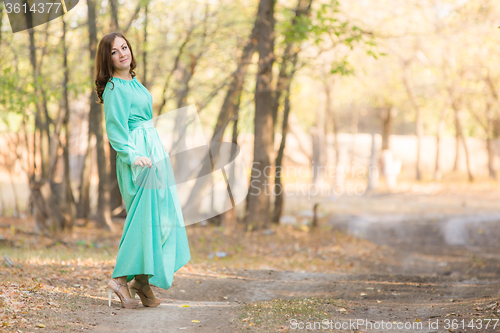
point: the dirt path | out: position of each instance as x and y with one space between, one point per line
396 298
376 297
435 268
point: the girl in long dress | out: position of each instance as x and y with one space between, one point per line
154 242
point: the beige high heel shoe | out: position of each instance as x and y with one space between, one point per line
114 286
137 288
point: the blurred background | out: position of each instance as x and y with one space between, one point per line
376 119
369 131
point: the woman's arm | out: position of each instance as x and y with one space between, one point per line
117 104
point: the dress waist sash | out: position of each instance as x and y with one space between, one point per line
140 124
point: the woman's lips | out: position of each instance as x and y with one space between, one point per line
124 60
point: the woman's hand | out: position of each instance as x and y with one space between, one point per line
143 161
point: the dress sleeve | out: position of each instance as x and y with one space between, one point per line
116 113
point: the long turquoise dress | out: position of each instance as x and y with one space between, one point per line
154 240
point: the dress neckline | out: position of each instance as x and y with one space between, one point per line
124 79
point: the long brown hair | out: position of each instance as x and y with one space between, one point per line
104 64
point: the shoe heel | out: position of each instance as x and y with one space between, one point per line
132 292
110 292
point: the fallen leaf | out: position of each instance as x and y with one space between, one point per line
195 321
491 306
184 306
40 325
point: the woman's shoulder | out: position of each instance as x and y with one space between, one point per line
114 85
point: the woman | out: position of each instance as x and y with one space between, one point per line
154 242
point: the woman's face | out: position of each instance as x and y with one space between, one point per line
120 54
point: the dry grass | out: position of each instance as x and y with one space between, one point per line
281 315
53 285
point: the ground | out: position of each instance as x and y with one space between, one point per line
426 256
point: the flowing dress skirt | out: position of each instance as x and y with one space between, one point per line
154 240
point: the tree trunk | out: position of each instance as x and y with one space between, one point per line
491 155
183 89
467 160
457 145
174 68
188 70
278 187
52 220
373 173
83 207
303 8
114 15
419 126
229 218
490 128
69 200
420 131
103 216
461 137
36 147
45 148
14 195
319 134
258 203
229 107
439 134
284 83
387 127
42 117
331 116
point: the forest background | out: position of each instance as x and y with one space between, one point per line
353 100
419 75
